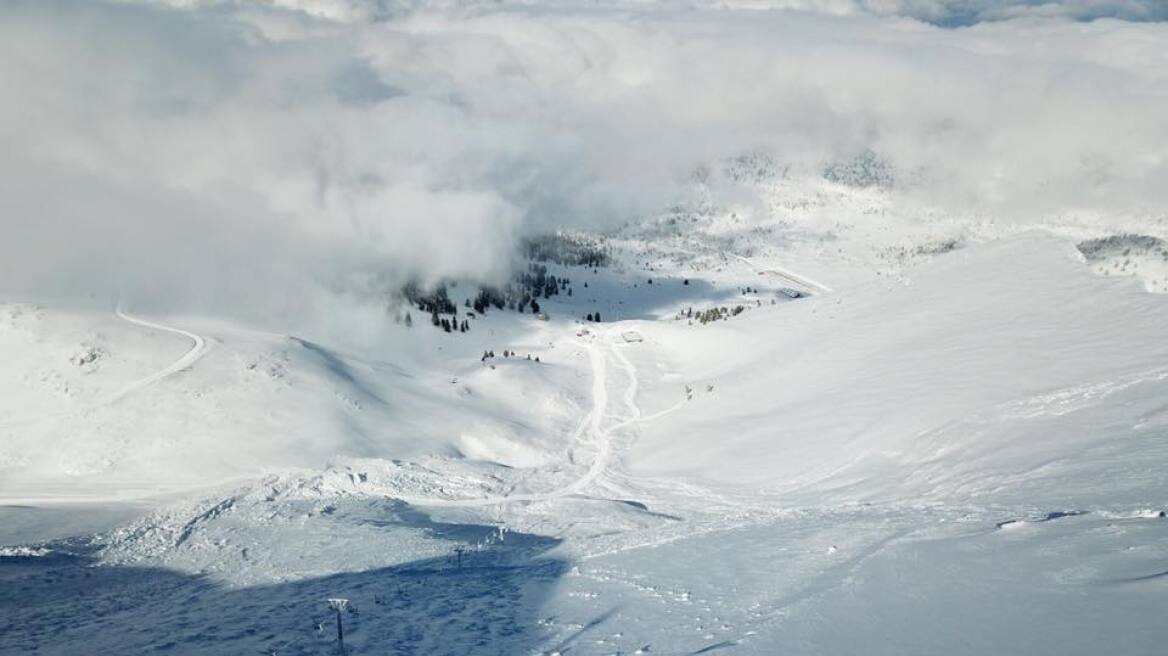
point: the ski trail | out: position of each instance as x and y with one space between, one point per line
197 350
789 276
630 392
602 438
599 403
631 395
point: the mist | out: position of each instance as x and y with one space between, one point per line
271 159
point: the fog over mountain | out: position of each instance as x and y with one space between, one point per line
333 148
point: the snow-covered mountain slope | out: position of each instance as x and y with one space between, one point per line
83 389
954 449
996 362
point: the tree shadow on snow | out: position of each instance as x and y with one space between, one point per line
617 300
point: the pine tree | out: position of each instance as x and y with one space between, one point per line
409 320
589 317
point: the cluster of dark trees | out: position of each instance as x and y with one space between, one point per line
712 314
487 297
487 355
435 302
449 325
567 249
592 317
536 282
522 293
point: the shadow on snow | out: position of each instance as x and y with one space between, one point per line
66 603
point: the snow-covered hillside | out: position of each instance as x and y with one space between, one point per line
565 327
956 449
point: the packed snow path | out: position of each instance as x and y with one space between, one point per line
788 275
197 350
602 438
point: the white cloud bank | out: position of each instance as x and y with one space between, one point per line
254 154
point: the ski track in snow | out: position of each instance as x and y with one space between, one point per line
788 275
197 350
601 437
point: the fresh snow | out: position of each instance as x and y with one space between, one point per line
954 443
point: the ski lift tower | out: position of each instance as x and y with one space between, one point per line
339 605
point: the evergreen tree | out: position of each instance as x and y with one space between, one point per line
409 320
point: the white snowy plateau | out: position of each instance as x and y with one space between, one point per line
824 410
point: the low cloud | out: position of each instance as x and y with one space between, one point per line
262 156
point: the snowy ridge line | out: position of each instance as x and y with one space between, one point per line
789 276
197 350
